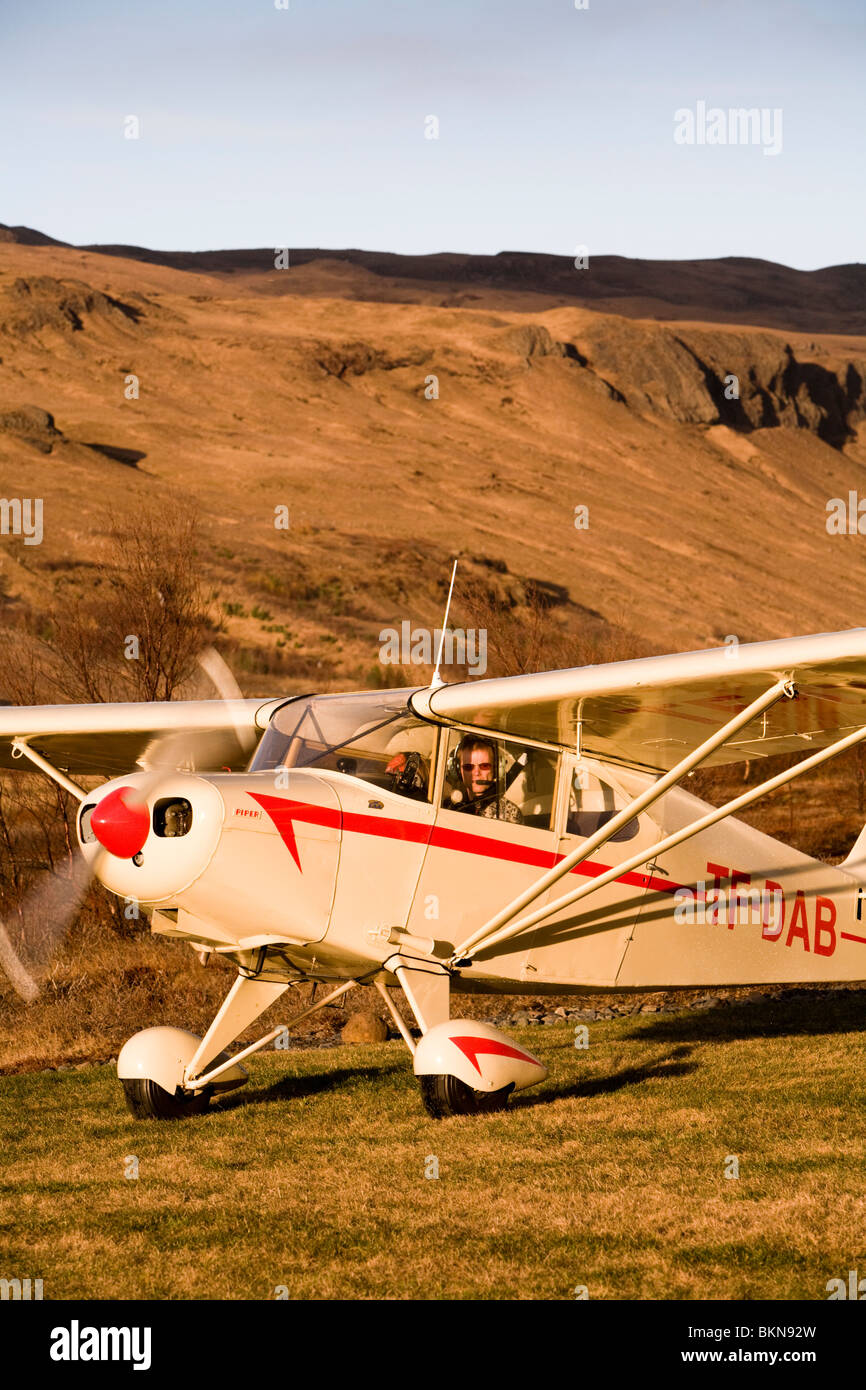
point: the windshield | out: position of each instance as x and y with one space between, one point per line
372 737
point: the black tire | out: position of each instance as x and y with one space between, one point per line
444 1096
148 1101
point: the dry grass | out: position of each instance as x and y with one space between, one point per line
99 992
610 1175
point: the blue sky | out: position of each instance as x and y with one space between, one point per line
305 127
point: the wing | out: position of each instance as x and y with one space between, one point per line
649 713
107 740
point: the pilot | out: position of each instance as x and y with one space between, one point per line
478 792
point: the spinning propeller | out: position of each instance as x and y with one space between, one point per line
119 823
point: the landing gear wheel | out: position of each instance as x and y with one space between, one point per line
148 1101
448 1095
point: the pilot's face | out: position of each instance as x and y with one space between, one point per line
476 765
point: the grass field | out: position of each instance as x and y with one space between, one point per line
611 1175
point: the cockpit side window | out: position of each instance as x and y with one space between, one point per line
500 780
373 738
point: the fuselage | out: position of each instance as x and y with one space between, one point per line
326 856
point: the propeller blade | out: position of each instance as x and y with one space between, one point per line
47 912
205 750
49 909
21 979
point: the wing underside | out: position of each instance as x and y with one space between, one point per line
650 713
107 740
644 714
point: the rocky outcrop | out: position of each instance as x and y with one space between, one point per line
775 389
33 425
744 380
41 301
534 340
342 360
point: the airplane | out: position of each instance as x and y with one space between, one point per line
528 834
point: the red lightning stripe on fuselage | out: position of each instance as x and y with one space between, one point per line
284 812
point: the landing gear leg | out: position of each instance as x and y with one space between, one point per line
427 990
464 1067
158 1067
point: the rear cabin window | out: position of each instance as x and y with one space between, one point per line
591 804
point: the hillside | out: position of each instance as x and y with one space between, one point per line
706 515
731 289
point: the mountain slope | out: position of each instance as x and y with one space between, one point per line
729 289
706 514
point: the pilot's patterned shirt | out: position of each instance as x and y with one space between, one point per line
503 809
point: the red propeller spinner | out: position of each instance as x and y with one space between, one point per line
121 822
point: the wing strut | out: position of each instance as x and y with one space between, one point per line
662 846
22 749
640 803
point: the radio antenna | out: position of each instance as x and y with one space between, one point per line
437 679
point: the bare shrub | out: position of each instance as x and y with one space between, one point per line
148 601
77 650
535 627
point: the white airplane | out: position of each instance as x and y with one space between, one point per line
523 835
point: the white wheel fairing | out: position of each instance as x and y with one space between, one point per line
163 1054
478 1054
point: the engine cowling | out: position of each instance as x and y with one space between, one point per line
148 837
